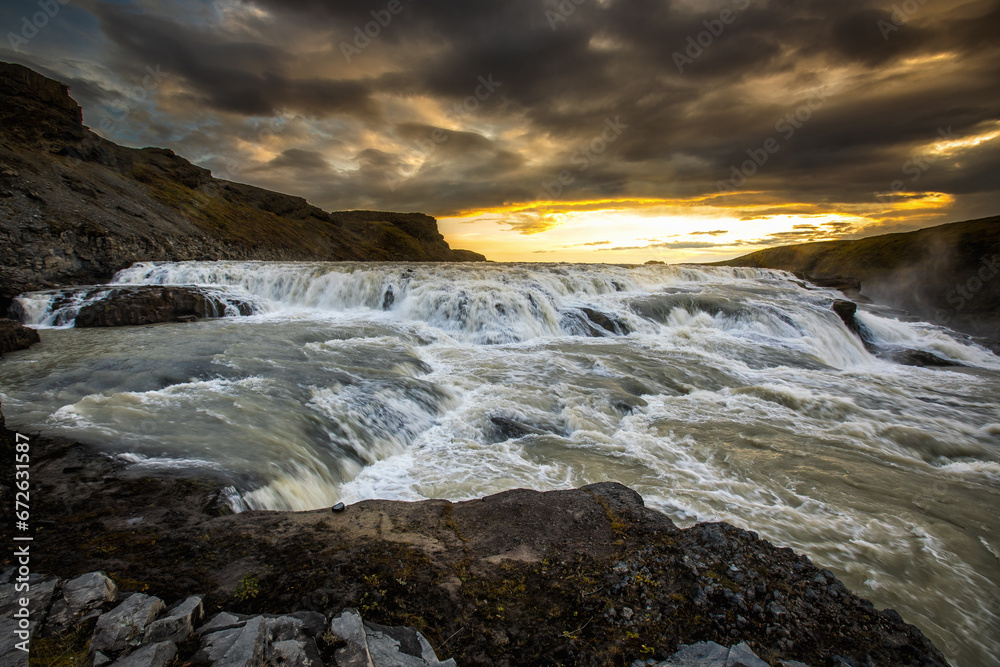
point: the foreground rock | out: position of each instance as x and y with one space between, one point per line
14 336
136 632
583 577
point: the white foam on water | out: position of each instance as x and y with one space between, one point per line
719 394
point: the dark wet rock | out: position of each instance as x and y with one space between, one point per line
510 429
847 311
339 507
606 322
919 358
14 336
593 323
504 427
125 306
225 501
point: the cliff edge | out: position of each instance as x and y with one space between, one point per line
75 208
948 275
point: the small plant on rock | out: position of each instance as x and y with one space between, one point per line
247 588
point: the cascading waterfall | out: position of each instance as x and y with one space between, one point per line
717 393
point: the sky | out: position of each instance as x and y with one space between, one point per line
558 130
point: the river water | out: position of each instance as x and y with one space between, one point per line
719 394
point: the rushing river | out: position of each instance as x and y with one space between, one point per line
718 394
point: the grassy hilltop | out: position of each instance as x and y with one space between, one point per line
948 274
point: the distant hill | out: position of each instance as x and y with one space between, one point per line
948 275
75 208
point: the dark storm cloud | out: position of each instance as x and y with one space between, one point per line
698 87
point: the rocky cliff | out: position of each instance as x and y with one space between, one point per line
949 275
75 208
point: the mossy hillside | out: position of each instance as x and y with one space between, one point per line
945 274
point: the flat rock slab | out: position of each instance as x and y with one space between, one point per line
238 647
149 655
710 654
374 645
178 622
79 597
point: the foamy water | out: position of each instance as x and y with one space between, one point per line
719 394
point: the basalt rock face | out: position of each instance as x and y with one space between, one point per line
76 208
152 304
847 312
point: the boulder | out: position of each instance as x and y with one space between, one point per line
178 623
79 597
125 306
291 653
593 323
41 591
124 625
374 645
223 621
14 336
236 647
710 654
349 628
148 655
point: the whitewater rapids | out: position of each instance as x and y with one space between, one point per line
718 394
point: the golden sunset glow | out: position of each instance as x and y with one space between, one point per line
596 136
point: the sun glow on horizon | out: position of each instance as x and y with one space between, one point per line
702 229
